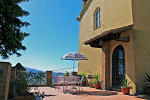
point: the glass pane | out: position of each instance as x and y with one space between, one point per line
97 18
96 25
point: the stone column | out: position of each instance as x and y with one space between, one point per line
5 71
49 78
74 73
105 78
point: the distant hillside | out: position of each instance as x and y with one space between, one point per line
32 69
53 75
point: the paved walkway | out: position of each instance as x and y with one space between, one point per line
87 94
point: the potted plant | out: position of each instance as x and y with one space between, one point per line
147 82
66 74
97 82
125 87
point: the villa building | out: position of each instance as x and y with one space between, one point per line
115 37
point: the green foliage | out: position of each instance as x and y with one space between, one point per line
21 84
66 74
25 79
147 77
125 83
36 78
83 74
147 81
97 78
10 28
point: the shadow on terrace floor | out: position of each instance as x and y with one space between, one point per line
97 93
140 96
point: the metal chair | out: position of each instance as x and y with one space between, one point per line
71 81
60 81
80 82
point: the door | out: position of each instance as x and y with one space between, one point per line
118 66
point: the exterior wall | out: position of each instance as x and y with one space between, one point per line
5 72
114 14
129 58
141 20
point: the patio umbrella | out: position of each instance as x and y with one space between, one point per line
74 56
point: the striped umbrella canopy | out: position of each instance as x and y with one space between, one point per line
74 56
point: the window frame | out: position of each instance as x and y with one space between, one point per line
97 18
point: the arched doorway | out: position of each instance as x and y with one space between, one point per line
118 66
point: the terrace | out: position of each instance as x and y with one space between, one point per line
87 94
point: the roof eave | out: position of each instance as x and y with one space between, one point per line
106 33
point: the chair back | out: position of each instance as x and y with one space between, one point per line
59 79
82 79
71 79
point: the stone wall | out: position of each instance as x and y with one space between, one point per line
13 73
48 78
5 71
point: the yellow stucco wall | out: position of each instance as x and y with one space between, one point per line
114 14
141 20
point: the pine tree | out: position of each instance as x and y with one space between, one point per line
11 36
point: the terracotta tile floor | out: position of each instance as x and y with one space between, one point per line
87 94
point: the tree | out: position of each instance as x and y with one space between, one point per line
11 36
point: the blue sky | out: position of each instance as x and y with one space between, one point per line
54 32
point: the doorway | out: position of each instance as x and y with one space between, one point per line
118 66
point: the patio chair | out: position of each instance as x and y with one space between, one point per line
80 82
71 81
60 81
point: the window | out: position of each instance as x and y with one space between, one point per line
97 18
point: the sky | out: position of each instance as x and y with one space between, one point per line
54 32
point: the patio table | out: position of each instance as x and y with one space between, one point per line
65 77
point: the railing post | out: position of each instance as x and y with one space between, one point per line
49 78
74 73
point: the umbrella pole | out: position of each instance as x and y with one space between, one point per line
73 65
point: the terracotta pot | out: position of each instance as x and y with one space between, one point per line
83 83
97 85
126 90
